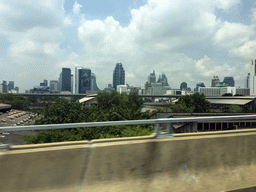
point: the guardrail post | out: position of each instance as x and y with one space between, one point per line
169 129
156 132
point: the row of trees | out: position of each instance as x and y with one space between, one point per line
110 107
17 102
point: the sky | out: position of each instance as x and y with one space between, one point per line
189 41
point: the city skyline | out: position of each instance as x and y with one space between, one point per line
188 41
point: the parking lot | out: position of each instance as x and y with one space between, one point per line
16 118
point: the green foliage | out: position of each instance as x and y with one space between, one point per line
196 103
227 94
235 109
17 102
231 109
111 107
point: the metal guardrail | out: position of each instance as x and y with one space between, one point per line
157 122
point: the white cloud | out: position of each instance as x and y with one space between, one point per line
208 68
76 8
23 15
247 50
233 34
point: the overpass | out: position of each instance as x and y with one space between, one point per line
212 161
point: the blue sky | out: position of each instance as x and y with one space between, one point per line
189 41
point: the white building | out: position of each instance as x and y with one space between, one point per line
253 78
121 88
216 91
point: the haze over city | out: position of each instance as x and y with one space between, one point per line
188 41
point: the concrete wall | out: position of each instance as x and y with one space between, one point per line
213 161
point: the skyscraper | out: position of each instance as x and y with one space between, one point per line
93 82
183 85
45 83
54 86
118 75
10 85
247 81
230 81
215 80
84 80
65 80
253 78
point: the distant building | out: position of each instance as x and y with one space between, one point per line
65 80
230 81
54 86
163 79
10 86
151 79
121 88
72 82
216 91
109 89
183 85
247 81
94 83
215 80
4 87
109 85
16 89
199 85
118 75
45 83
243 91
84 80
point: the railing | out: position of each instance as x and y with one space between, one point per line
156 122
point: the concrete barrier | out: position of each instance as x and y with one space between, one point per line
188 162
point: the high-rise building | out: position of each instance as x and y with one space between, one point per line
215 80
199 85
45 83
65 80
151 79
118 75
10 85
84 80
163 78
54 86
94 83
183 85
72 82
4 87
247 81
230 81
253 78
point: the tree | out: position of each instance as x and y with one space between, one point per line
192 103
227 94
111 107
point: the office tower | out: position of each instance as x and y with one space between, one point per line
230 81
4 87
45 83
93 82
151 79
84 80
215 80
183 85
118 75
253 78
17 89
109 85
72 81
65 80
10 85
54 86
163 78
247 81
199 85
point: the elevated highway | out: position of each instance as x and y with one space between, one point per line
211 161
186 162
